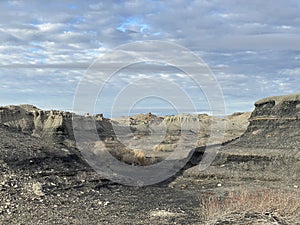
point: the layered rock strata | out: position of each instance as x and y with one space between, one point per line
274 123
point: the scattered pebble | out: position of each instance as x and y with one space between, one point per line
37 189
163 213
106 203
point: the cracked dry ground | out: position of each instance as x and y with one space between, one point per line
50 184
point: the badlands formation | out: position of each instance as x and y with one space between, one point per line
254 178
125 137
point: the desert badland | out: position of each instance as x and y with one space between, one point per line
254 178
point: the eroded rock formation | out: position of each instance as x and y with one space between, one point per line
52 125
274 123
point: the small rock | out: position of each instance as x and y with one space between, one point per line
183 186
37 189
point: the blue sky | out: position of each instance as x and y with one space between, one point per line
253 47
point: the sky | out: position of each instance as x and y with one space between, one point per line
47 47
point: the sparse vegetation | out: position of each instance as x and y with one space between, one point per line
266 201
164 147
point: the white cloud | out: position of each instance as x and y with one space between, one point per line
290 72
253 48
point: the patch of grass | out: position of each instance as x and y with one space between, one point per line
265 201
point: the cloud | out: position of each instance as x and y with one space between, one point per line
253 48
291 72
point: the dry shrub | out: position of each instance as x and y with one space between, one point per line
165 148
134 156
283 202
120 152
139 156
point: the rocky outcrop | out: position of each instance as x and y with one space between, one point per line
274 123
267 151
201 126
56 126
18 117
52 125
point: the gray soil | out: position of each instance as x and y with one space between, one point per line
51 184
42 184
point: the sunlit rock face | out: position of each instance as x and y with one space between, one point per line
51 125
143 136
56 126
